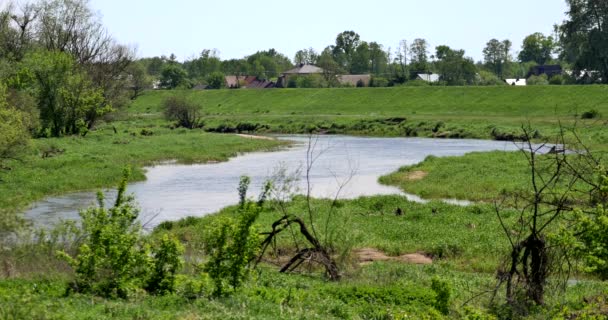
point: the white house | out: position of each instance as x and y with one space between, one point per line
516 82
428 77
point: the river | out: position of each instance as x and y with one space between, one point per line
174 191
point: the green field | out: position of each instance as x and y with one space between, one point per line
466 244
472 112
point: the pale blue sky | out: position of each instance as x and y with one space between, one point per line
238 28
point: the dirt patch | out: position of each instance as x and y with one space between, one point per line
251 136
416 175
369 255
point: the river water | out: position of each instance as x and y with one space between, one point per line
345 164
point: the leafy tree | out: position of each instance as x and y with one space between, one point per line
454 67
584 36
360 62
306 56
13 130
173 76
331 69
419 56
203 66
237 67
538 48
68 102
139 79
378 59
343 51
496 55
216 80
166 262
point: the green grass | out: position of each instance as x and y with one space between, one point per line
98 159
478 176
472 112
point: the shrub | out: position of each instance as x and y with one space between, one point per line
184 112
489 79
112 257
378 82
166 262
557 80
541 80
591 114
233 243
443 292
215 80
417 83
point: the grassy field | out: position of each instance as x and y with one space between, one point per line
56 166
467 244
475 112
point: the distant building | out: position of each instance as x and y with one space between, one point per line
549 70
428 77
355 80
247 82
516 82
299 70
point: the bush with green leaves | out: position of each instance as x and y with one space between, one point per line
185 113
541 80
114 258
232 244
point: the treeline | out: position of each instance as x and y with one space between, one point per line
578 46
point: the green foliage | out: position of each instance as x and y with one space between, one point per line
184 112
68 101
557 80
378 82
166 262
489 79
537 48
112 259
541 80
443 291
173 76
592 232
215 80
13 130
233 243
591 114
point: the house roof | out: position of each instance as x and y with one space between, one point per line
516 82
304 69
352 79
433 77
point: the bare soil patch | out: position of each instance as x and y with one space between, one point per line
251 136
369 255
416 175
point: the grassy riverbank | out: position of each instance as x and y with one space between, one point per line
56 166
473 112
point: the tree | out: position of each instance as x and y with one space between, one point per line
138 78
173 75
401 59
306 56
201 67
13 130
343 51
216 80
454 67
538 48
68 101
378 59
331 69
496 55
419 56
584 36
360 62
185 113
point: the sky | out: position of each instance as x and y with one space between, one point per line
238 28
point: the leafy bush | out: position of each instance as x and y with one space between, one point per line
186 113
112 258
166 262
232 244
541 80
591 114
378 82
417 83
489 79
443 292
557 80
215 80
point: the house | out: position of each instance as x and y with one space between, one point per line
428 77
355 80
299 70
261 84
247 82
516 82
549 70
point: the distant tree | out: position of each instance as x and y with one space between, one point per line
139 79
401 56
538 48
345 47
331 69
216 80
236 67
584 36
360 61
207 63
173 76
378 59
419 56
497 55
306 56
13 130
454 67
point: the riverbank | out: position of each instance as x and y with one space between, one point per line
444 112
69 164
